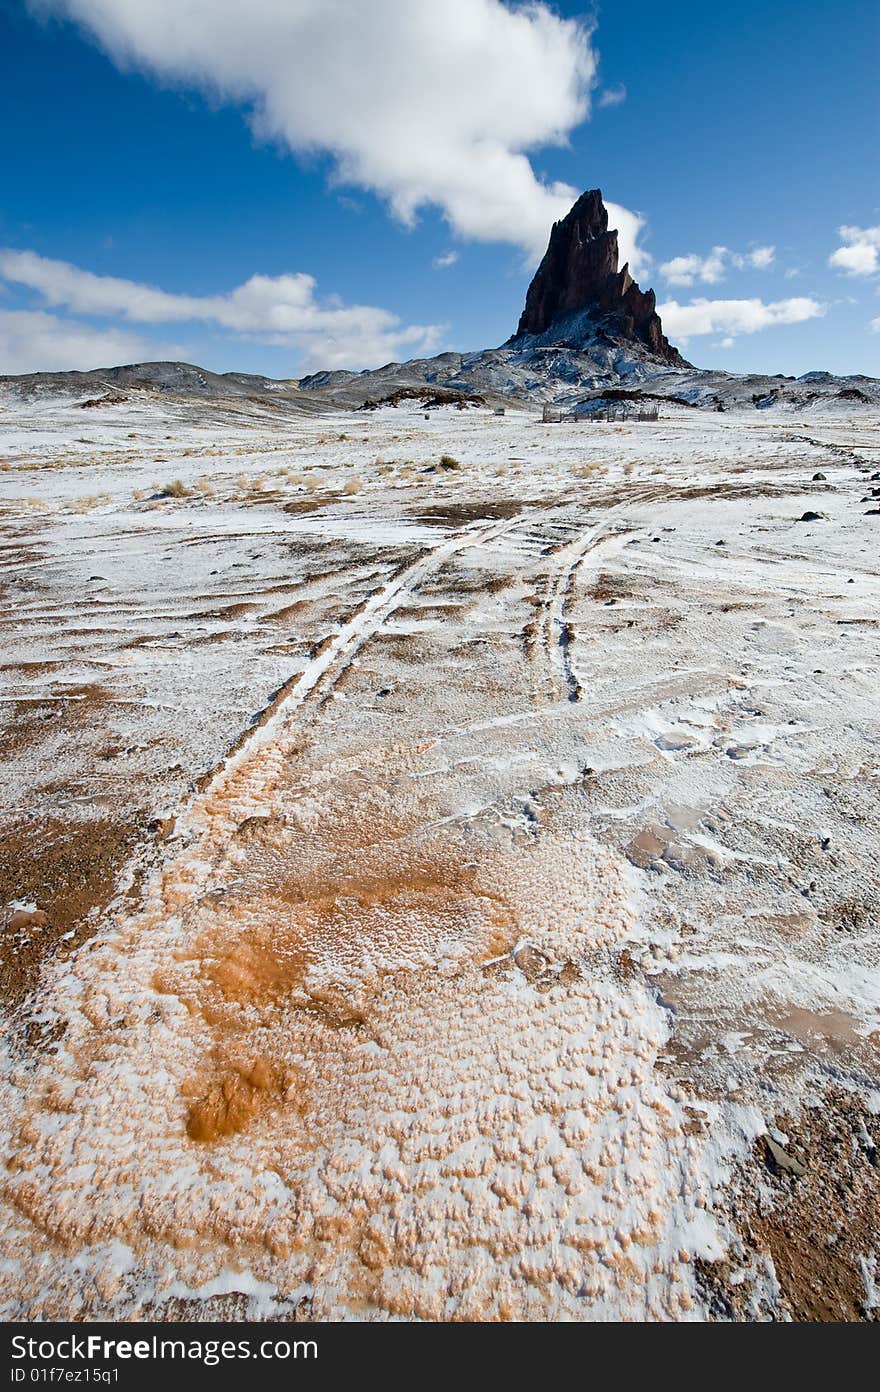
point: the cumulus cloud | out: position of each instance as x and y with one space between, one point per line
613 96
283 311
442 263
682 322
629 228
761 257
423 104
34 341
875 325
860 253
687 270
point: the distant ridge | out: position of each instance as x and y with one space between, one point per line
587 335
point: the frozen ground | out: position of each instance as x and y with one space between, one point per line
439 892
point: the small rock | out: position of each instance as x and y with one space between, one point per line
819 478
28 918
162 827
529 960
872 512
813 517
721 543
781 1158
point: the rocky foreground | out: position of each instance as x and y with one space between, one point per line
438 860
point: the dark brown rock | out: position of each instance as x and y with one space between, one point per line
580 272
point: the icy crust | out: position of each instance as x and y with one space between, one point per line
446 1114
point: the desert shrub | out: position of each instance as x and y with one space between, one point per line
353 485
177 489
92 500
447 462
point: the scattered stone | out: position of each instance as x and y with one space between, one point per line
721 543
161 827
530 961
813 517
781 1160
819 478
28 918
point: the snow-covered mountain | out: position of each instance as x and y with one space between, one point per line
587 334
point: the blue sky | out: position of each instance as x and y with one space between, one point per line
302 183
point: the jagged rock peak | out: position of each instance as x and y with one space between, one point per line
580 272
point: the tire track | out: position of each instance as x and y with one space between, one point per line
244 777
553 628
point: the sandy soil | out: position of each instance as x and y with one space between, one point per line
439 892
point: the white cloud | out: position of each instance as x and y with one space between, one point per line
425 104
761 257
442 263
875 325
629 228
33 341
727 343
279 310
681 322
613 96
860 253
687 270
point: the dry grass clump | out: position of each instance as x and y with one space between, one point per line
352 486
89 502
175 489
28 504
449 463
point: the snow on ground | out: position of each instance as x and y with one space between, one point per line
477 859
